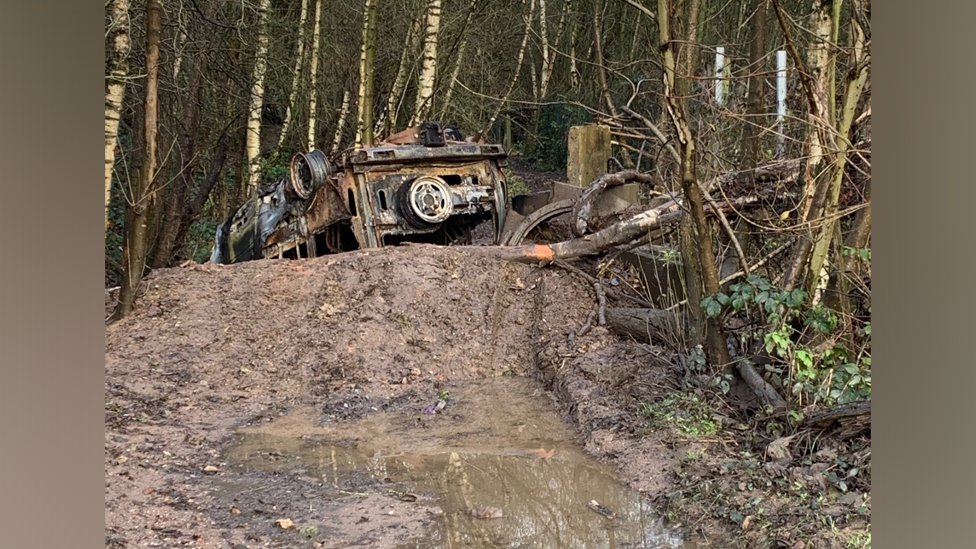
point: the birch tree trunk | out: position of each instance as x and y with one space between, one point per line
602 72
860 60
313 81
458 59
816 67
137 229
296 73
547 57
253 144
518 69
387 121
549 62
118 69
367 57
428 72
341 124
821 178
574 74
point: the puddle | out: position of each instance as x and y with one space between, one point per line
498 444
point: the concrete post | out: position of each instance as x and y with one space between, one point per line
589 151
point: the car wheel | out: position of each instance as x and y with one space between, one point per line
426 201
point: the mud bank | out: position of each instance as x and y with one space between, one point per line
313 352
210 350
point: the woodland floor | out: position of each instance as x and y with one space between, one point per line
213 351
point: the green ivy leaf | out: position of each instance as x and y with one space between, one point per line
712 307
797 297
803 357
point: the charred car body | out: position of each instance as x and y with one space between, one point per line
425 184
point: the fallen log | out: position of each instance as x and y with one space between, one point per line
852 419
647 325
601 241
838 413
759 386
583 209
658 326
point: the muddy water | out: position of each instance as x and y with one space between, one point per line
498 447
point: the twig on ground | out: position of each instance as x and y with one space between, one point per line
588 324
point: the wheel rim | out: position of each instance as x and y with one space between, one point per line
430 199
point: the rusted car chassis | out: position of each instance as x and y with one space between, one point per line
421 185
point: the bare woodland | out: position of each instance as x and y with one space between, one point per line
771 215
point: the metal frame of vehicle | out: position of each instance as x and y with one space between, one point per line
424 184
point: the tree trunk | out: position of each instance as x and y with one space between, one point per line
838 158
341 123
547 56
458 59
387 122
296 72
367 57
515 75
822 181
428 72
837 295
118 69
602 72
701 246
253 146
755 108
176 196
574 74
312 78
137 231
193 209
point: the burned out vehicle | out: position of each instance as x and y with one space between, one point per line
424 184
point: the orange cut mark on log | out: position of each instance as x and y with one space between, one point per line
539 251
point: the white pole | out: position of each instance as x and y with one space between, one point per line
781 101
719 70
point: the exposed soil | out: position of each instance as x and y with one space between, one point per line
214 352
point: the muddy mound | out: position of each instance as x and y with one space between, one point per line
210 349
298 328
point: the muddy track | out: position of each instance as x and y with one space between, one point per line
209 350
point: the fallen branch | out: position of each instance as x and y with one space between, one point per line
588 324
726 226
787 170
646 325
601 299
583 209
759 385
620 296
837 413
600 241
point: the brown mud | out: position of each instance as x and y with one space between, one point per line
499 445
281 403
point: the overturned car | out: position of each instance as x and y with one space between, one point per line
425 184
